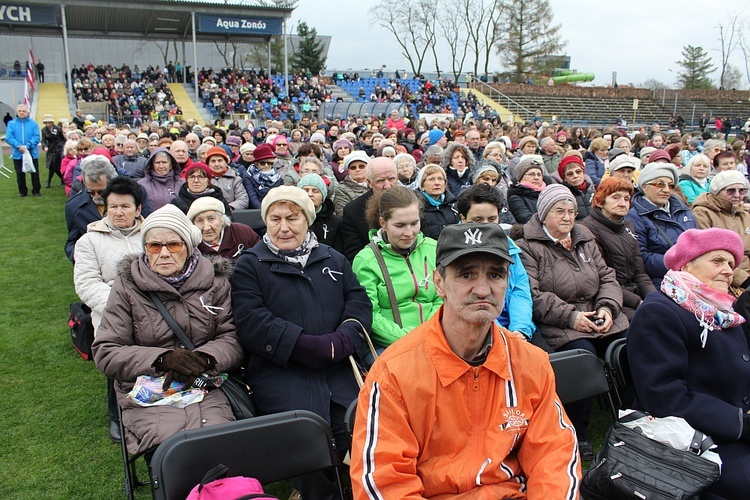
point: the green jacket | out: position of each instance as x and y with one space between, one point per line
412 281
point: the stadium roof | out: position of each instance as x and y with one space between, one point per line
151 19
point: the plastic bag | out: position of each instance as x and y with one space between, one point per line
148 391
28 163
671 431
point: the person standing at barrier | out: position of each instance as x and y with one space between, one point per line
22 135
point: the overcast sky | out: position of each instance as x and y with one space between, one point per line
638 39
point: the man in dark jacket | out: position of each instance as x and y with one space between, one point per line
381 174
53 143
130 163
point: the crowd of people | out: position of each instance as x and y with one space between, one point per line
463 247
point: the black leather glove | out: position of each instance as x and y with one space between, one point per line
181 365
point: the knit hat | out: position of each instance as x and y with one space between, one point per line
208 139
526 139
248 146
204 204
435 135
726 178
197 165
233 140
527 162
696 242
342 143
695 142
659 154
291 194
655 170
567 161
646 151
263 152
170 217
561 136
482 167
318 136
622 161
551 195
316 181
356 156
217 151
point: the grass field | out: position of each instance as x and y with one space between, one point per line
53 409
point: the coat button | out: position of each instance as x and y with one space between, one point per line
577 269
746 400
269 348
745 357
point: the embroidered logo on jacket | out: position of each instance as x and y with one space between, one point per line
515 420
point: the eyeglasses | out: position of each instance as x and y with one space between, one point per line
661 185
172 246
196 177
100 192
561 212
357 166
735 191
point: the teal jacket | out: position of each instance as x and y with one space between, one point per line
412 281
691 189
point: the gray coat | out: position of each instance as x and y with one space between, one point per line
133 335
563 282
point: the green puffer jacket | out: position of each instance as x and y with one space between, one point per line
412 281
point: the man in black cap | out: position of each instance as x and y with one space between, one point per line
460 406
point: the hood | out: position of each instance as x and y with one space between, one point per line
149 168
712 202
448 153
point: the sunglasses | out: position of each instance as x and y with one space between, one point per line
357 167
735 191
100 192
172 246
662 185
265 163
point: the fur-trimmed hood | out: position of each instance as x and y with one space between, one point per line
448 154
222 266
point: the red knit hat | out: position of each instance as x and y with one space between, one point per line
199 166
565 162
263 152
217 151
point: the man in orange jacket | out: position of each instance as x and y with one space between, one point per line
460 407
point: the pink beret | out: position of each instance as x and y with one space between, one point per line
695 242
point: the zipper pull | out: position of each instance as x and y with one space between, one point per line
476 378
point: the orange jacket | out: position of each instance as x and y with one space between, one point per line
429 425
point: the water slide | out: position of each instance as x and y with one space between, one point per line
577 77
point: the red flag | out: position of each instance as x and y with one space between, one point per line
26 92
30 70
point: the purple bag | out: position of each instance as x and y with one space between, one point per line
215 487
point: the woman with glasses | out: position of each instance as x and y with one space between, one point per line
198 185
522 196
355 183
439 203
262 176
658 216
723 206
495 152
134 339
577 299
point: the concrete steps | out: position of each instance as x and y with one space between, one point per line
52 99
185 101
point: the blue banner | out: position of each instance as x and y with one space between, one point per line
239 25
28 14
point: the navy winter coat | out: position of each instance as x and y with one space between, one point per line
274 301
652 224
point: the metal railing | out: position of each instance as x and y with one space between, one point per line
513 106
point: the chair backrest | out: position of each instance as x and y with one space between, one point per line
269 448
616 361
349 417
580 375
250 217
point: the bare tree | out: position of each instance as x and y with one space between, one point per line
493 31
479 20
729 31
745 48
733 78
452 30
405 20
164 51
224 51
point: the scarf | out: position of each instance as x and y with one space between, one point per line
297 256
220 172
712 308
533 187
432 201
265 180
187 270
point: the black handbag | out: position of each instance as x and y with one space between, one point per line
234 388
630 465
81 329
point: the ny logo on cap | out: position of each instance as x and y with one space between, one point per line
473 237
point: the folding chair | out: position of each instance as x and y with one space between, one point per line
616 361
580 375
269 448
349 417
249 217
130 462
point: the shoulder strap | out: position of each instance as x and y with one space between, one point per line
171 321
388 283
212 475
658 228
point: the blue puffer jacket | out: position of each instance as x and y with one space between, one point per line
274 301
658 230
518 310
23 133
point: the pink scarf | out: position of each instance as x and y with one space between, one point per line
533 187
